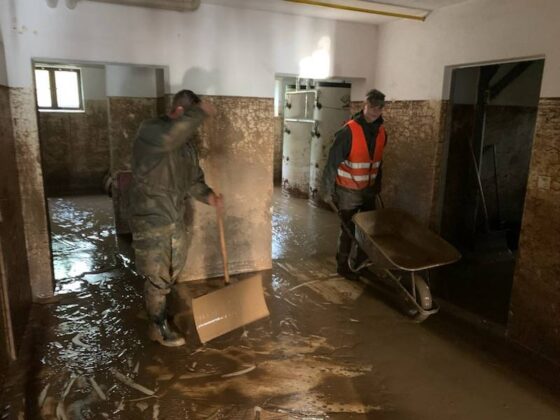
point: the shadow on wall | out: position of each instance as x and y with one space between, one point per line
199 80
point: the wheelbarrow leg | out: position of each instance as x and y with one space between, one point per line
419 297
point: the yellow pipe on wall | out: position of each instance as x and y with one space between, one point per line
358 9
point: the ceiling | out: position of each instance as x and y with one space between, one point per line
409 7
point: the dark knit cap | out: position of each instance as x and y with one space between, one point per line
375 97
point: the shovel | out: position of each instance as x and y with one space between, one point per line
233 306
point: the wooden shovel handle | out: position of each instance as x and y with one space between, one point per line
223 245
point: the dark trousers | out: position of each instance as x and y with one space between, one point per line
350 202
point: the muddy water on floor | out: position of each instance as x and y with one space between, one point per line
301 230
276 368
82 236
330 349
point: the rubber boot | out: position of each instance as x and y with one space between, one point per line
161 332
159 329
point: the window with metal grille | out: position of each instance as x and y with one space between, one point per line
58 88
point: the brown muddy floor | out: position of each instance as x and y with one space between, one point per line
331 349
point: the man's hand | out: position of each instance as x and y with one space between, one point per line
216 200
208 107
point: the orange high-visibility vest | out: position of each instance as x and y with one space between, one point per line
359 170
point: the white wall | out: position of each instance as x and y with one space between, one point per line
131 81
215 50
412 55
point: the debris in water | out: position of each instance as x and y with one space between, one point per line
97 389
307 283
137 368
76 340
240 372
43 395
156 412
291 303
61 411
120 407
69 386
129 382
142 406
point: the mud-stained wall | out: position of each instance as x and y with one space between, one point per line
535 303
236 153
125 117
75 149
412 158
28 158
12 236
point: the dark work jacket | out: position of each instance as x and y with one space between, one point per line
340 150
165 171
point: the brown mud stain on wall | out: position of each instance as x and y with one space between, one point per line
535 304
236 151
28 158
12 235
75 149
125 117
413 155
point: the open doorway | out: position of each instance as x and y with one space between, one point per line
308 113
493 116
88 115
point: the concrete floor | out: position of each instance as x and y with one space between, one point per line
331 348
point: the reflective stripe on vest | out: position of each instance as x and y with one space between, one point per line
359 170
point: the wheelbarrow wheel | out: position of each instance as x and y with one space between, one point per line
423 293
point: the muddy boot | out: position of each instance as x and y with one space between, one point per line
159 329
161 332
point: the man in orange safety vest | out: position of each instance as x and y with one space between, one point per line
352 176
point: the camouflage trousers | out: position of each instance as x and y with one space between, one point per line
160 256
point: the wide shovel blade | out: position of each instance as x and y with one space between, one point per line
230 307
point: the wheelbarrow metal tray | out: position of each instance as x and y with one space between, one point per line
394 239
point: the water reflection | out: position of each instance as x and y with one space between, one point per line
82 235
300 229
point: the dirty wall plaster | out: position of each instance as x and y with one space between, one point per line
26 135
535 303
12 235
75 149
125 116
412 159
236 153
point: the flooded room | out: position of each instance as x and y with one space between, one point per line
279 209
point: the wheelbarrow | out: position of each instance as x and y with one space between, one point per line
395 243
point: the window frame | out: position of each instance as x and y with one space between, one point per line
52 82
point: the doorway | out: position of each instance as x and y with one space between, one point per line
493 116
308 113
88 114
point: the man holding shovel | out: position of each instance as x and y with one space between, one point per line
352 176
166 172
